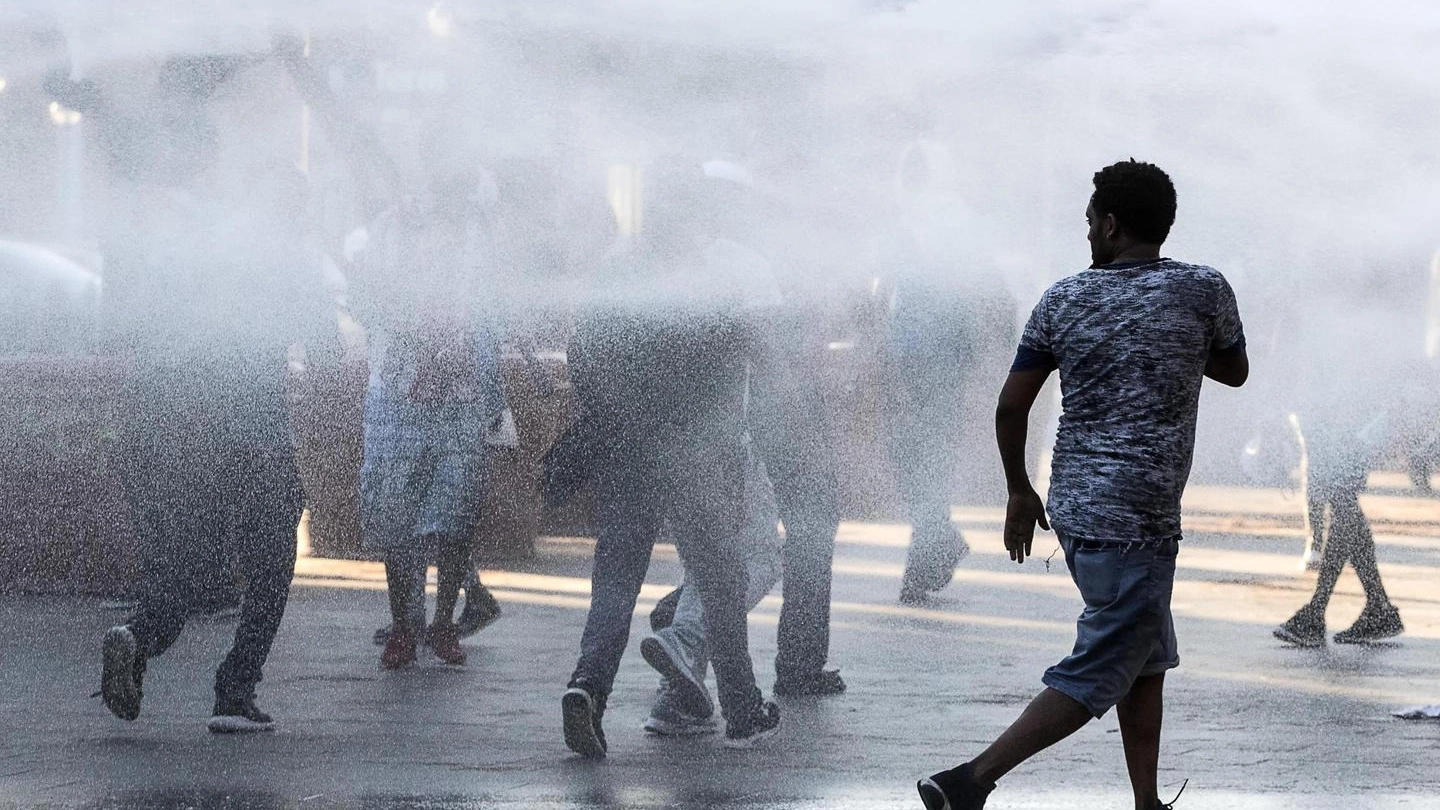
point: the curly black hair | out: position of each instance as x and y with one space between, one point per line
1141 197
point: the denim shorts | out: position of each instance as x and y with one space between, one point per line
1126 630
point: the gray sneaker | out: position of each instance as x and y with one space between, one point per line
683 668
668 718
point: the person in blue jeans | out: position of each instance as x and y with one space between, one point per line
659 365
1132 337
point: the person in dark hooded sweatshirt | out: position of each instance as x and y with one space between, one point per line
207 294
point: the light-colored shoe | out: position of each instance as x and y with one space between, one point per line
683 668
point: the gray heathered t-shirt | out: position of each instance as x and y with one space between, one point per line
1131 342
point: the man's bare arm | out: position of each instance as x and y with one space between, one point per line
1012 421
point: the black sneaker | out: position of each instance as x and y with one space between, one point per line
581 710
238 716
955 789
1373 625
816 684
762 724
1305 629
481 610
121 671
663 614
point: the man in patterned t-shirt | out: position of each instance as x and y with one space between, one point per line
1132 338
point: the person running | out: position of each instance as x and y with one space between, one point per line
1132 338
209 290
658 364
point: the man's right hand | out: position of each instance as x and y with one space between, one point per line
1022 513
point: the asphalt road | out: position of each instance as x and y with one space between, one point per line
1250 724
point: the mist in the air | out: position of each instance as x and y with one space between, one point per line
878 140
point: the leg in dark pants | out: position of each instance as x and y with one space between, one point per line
792 436
627 516
924 419
1349 539
703 478
453 570
170 485
802 470
265 499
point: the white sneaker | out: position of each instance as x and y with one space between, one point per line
683 669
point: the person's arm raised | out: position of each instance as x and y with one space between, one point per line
368 159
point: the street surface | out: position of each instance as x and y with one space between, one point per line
1251 723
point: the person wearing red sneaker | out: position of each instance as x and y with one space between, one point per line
434 389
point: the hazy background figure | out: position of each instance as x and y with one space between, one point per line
947 314
661 386
791 429
1343 445
434 390
209 464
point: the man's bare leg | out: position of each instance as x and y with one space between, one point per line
1051 717
1141 712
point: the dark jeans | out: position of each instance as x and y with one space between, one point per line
1336 483
206 472
692 478
793 438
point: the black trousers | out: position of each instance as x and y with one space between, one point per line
794 439
210 469
693 478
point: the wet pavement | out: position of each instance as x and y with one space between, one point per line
1250 723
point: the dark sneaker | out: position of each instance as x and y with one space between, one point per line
121 672
955 789
1373 625
481 610
816 684
685 671
762 724
1305 629
399 650
444 641
663 614
581 711
668 718
238 716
